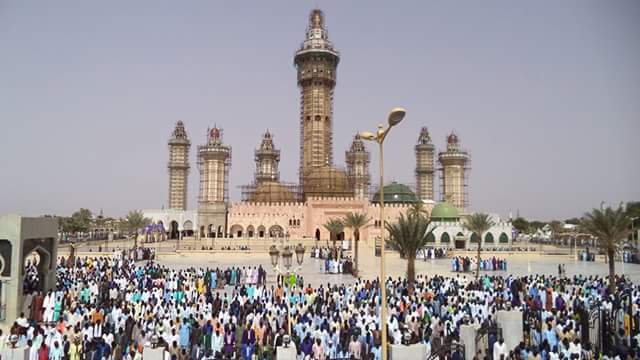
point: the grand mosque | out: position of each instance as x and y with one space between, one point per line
271 208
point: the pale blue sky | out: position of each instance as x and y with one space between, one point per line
545 95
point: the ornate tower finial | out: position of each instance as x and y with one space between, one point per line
316 19
267 159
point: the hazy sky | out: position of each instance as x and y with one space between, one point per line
544 94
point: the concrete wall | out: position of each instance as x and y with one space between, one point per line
511 324
25 235
403 352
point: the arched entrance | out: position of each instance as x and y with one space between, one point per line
187 228
173 230
211 231
488 239
236 231
250 231
460 241
445 239
261 231
317 235
37 264
276 231
5 255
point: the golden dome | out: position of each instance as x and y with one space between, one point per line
327 181
272 192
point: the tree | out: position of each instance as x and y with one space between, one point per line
417 209
80 221
134 221
335 227
64 223
521 224
633 212
478 223
408 236
355 221
556 229
610 227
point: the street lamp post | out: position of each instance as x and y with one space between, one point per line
395 117
634 235
287 255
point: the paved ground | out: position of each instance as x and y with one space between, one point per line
518 264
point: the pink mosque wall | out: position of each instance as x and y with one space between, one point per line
310 215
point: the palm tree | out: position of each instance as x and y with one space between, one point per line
417 208
335 227
408 236
610 227
355 221
478 223
134 221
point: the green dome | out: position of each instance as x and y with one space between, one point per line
396 193
444 211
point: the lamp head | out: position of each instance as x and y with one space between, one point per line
299 254
396 115
274 253
368 135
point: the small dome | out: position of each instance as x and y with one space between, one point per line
396 193
272 192
444 211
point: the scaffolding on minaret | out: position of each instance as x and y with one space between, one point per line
454 173
266 186
214 163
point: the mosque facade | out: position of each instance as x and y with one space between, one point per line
271 208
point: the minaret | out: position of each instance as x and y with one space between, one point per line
316 62
424 166
357 159
267 159
179 146
214 161
454 163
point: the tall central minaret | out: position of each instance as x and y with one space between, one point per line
178 166
316 61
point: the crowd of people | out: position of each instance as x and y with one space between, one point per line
467 264
110 308
586 255
629 256
433 253
334 261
